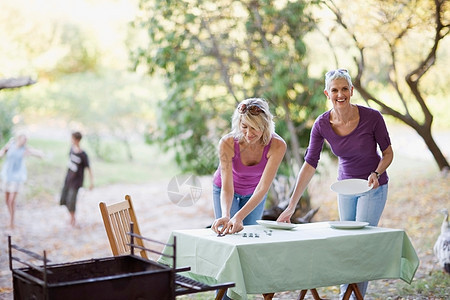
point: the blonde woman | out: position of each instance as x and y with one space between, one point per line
249 159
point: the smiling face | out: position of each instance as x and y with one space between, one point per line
339 93
250 134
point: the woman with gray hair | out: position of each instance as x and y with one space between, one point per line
354 134
249 159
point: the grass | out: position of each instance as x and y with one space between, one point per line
45 176
435 286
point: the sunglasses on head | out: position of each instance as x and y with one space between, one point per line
253 109
332 72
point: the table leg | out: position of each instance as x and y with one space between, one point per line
302 294
313 292
357 292
353 287
268 296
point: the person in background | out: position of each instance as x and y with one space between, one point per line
78 161
249 159
353 132
14 171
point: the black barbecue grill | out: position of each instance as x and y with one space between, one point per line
119 277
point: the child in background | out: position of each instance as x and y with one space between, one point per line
78 161
14 171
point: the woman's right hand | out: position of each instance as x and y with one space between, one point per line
219 225
285 216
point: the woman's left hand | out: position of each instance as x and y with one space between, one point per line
373 181
219 225
234 225
227 226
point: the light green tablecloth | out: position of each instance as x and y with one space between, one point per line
309 256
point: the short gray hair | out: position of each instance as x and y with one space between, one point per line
336 74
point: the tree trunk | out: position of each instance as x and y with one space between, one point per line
425 134
295 144
304 203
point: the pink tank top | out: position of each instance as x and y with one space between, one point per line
245 178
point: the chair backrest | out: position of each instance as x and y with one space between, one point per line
117 218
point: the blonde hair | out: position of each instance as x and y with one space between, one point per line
263 121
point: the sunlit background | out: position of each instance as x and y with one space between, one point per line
79 54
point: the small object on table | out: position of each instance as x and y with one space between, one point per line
348 224
275 224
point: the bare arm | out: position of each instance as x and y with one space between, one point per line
91 178
385 162
304 177
6 147
3 150
34 152
226 153
226 171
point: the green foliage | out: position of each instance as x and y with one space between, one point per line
53 166
82 54
7 109
436 286
80 68
46 40
216 53
111 105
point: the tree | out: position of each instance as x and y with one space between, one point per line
7 109
216 53
397 42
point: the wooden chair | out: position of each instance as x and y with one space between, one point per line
117 218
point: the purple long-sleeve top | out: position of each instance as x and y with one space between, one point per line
357 152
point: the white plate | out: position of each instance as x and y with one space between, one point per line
351 186
275 224
348 224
